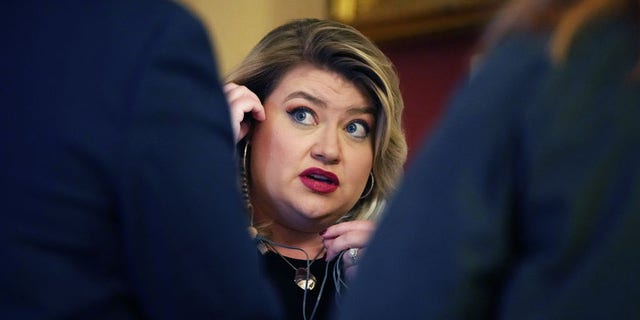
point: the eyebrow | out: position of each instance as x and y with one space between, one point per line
317 101
306 96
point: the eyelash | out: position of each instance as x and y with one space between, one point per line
295 111
364 124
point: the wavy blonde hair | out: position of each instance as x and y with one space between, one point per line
344 50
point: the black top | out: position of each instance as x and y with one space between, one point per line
282 277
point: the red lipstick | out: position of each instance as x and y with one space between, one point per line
320 181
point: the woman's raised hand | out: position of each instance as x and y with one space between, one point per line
242 101
352 236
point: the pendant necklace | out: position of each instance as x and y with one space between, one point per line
303 277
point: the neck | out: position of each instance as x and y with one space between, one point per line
310 242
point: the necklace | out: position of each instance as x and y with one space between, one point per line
303 278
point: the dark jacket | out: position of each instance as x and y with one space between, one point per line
118 192
525 203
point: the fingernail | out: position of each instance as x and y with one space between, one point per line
323 231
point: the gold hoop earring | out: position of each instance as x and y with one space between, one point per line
370 189
245 150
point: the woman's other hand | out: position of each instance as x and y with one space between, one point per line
352 236
242 101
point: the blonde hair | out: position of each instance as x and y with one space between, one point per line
342 49
562 18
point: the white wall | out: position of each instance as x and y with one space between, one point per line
237 25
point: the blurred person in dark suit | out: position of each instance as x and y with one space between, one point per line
118 192
525 203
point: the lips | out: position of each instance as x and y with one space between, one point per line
320 181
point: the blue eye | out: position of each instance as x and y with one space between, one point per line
358 129
302 115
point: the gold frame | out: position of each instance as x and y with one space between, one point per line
384 20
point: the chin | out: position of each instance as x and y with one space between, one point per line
324 219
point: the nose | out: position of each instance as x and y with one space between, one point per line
327 147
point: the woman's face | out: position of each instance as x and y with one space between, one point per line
311 157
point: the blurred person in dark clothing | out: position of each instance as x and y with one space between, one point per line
525 204
118 192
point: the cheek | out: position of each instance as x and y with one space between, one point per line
362 164
272 150
262 150
269 140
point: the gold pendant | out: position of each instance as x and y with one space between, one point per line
302 281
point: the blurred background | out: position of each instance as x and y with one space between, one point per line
429 41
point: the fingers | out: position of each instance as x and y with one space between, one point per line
346 235
344 227
241 101
350 238
350 259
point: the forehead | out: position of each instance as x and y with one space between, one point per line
325 85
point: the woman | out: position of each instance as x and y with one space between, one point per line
316 110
